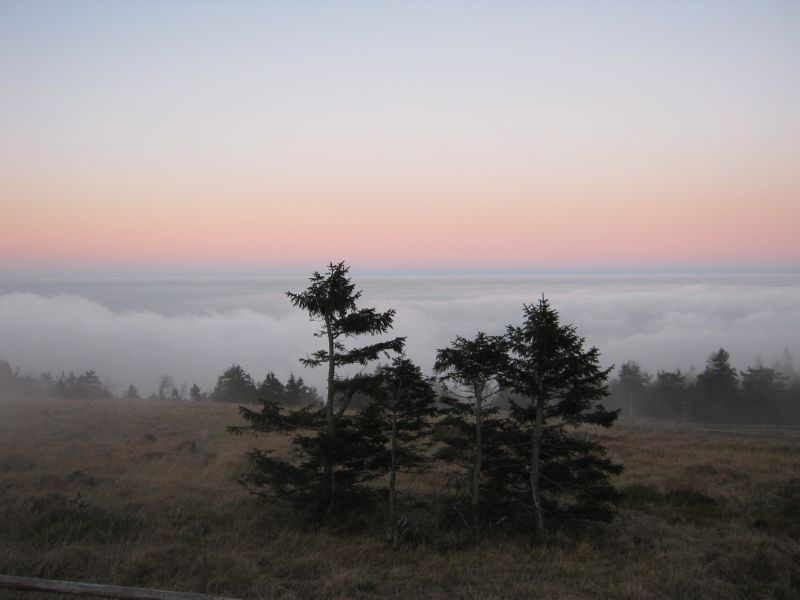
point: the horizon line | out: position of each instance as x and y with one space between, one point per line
250 271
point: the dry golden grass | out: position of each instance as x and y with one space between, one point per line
142 493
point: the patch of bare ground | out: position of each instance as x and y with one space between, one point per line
143 494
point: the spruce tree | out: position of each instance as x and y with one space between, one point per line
335 453
717 388
671 394
272 389
470 369
399 417
631 388
298 393
235 385
762 389
561 385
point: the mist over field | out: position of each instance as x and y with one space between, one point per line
136 330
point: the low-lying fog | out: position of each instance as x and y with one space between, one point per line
136 330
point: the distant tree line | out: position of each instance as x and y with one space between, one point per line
718 394
87 385
235 385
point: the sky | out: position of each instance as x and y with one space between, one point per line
408 135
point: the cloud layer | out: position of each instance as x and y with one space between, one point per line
72 333
663 322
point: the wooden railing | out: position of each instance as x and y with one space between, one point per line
33 584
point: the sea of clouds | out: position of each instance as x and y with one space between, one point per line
136 330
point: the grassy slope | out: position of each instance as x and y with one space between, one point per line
706 515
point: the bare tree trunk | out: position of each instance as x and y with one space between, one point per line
331 418
476 468
392 480
536 448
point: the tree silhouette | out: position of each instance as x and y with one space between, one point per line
272 389
471 368
762 389
399 416
671 393
336 453
631 386
718 388
195 393
298 393
235 385
561 386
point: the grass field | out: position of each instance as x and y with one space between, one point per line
141 493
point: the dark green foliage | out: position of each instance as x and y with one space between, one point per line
399 420
631 388
294 393
272 390
235 385
472 365
562 385
352 449
15 384
331 300
574 476
403 405
196 394
762 389
718 386
84 386
336 449
671 395
481 504
717 395
297 393
469 429
790 405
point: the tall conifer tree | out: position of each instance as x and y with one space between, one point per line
470 369
561 385
335 452
402 406
717 388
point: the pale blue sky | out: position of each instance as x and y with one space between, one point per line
617 111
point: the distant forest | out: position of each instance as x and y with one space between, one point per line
235 386
718 394
758 395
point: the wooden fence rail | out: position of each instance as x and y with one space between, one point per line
33 584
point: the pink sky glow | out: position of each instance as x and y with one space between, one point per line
638 136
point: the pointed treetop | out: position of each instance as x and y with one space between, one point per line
471 361
329 295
